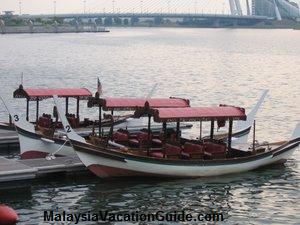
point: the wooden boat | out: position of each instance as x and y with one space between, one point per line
45 121
36 143
181 157
240 134
243 128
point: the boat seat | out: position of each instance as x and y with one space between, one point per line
156 142
120 137
143 138
215 151
87 122
191 150
73 121
172 151
45 121
134 142
157 154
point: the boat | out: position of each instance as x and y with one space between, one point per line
240 134
39 144
45 121
36 143
242 128
179 157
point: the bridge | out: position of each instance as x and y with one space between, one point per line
239 12
145 15
181 8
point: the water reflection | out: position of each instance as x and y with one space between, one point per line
255 197
237 197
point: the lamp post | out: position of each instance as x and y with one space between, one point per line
84 2
195 6
141 6
113 5
20 8
54 8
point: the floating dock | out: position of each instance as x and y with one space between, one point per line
8 138
27 169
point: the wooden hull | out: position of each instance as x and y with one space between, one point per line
108 163
34 145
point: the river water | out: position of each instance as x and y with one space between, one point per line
208 66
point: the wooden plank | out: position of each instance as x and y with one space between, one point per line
59 164
8 137
12 170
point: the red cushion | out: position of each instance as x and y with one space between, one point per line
214 148
172 149
142 136
193 148
45 122
157 154
119 136
72 121
156 141
134 141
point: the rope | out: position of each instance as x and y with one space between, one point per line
51 156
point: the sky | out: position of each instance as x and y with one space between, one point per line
77 6
93 6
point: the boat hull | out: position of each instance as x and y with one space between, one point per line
106 164
33 145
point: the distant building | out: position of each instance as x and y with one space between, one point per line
286 8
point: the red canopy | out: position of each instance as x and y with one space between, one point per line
193 113
134 103
43 93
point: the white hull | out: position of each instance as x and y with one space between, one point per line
36 147
106 162
106 167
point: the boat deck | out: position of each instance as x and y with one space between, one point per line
16 170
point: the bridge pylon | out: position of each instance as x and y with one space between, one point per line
235 7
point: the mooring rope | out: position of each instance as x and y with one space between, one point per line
51 156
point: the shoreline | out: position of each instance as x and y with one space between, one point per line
90 29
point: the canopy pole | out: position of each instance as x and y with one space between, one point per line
165 136
149 134
100 120
77 109
37 111
27 110
165 131
67 105
112 112
200 136
177 130
254 130
10 120
212 127
230 134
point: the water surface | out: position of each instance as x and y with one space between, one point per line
208 66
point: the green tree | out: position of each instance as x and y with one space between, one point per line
98 21
126 22
108 21
158 20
